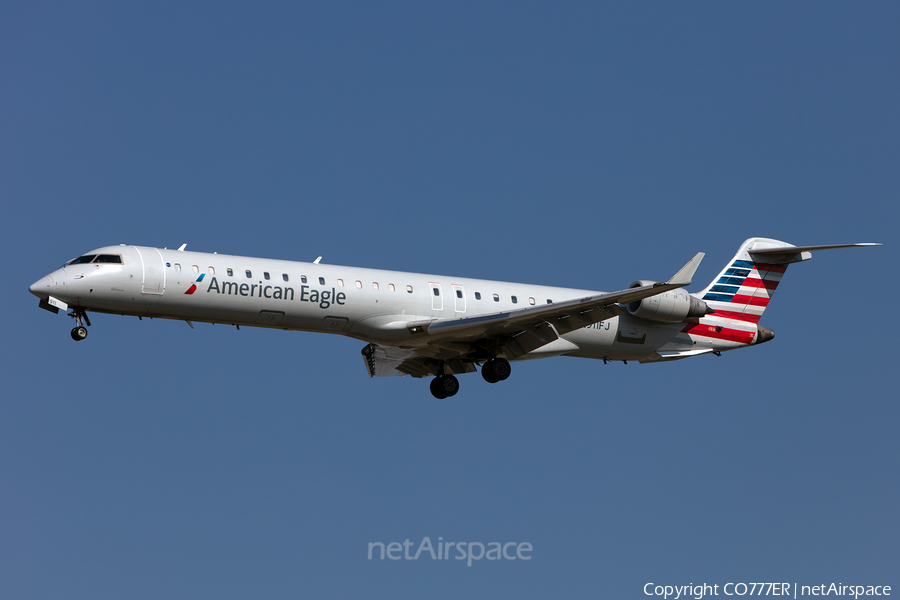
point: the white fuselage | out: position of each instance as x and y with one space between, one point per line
368 304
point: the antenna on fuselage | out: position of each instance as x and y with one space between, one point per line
183 246
315 262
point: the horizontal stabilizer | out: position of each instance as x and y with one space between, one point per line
795 249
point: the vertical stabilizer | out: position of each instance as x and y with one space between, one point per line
743 289
739 295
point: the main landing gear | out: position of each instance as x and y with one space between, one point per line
444 386
81 319
494 370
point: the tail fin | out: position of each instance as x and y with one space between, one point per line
743 289
739 295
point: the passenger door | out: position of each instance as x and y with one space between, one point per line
154 269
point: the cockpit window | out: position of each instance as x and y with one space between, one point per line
82 260
115 259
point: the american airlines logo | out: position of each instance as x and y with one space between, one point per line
193 287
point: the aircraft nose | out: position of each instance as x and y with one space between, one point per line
41 287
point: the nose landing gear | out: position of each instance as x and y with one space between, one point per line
80 331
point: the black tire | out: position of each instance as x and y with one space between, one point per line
79 333
437 389
502 369
487 372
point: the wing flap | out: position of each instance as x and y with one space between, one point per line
390 361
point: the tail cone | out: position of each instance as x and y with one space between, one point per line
763 334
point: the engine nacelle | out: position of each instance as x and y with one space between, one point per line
673 306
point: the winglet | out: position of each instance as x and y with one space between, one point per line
683 277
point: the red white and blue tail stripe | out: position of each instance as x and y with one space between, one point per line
739 295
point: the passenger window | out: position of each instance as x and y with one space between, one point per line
230 272
375 285
549 301
514 300
391 287
409 289
303 279
321 281
478 295
212 270
358 284
284 276
459 293
195 269
266 275
340 283
248 273
178 266
496 298
437 291
531 301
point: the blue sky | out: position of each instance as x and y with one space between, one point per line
577 145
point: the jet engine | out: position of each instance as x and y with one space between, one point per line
673 306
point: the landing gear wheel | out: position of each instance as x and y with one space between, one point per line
496 369
81 319
444 386
436 390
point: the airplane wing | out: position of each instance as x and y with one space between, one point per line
513 333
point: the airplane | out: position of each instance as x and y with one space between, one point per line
428 325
